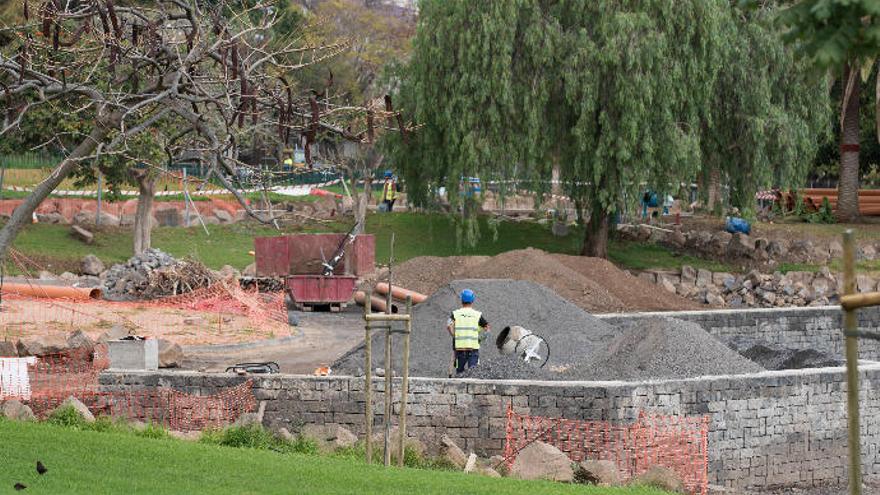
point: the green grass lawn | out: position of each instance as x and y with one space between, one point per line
414 235
109 462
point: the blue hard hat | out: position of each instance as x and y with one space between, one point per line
388 173
467 296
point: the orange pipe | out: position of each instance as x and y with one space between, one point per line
378 304
53 291
400 293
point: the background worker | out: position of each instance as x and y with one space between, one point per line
465 325
389 191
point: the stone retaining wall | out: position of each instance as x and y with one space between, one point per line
772 428
818 328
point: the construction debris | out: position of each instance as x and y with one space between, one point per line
155 274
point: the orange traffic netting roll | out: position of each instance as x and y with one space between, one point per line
45 382
673 442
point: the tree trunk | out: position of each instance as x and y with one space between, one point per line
143 216
714 190
555 184
848 184
24 213
361 201
596 233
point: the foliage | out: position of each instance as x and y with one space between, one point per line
823 215
68 417
833 32
256 437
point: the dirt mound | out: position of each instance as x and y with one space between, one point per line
658 348
573 335
594 284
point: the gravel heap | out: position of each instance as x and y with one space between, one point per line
154 274
657 348
573 335
773 357
593 284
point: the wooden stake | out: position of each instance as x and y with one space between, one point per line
404 386
368 383
852 366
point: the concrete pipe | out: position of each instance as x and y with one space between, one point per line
52 291
378 304
400 293
524 344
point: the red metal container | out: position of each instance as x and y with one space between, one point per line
302 254
310 290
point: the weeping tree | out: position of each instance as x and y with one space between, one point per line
613 93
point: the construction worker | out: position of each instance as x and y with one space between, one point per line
389 191
465 326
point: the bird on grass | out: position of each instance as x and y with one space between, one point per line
41 468
20 486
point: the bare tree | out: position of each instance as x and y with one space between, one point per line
217 73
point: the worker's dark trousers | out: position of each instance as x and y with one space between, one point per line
467 358
390 204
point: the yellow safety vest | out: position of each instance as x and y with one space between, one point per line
467 328
389 194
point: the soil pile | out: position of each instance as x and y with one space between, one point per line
593 284
657 348
572 334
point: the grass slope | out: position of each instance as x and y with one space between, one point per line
415 235
91 462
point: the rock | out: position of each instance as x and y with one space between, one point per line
116 332
868 252
79 407
168 217
284 434
88 218
542 461
658 236
80 340
228 272
223 216
768 297
412 443
488 471
686 290
53 218
761 244
170 354
648 277
676 238
776 249
7 349
662 478
802 249
16 411
46 275
755 277
741 246
667 285
865 283
688 275
602 473
330 437
718 245
714 299
250 270
471 463
835 250
247 419
68 277
41 345
82 234
704 278
643 233
823 286
451 452
91 265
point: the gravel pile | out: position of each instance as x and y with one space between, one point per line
773 357
573 335
657 348
593 284
154 274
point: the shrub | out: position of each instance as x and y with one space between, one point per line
68 417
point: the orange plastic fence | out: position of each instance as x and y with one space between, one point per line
49 380
677 443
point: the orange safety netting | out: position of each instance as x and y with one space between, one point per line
49 380
673 442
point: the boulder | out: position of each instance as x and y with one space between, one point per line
662 478
823 286
53 218
643 233
768 297
718 245
704 278
88 218
80 340
602 473
82 234
168 217
451 452
16 411
676 238
488 471
688 275
802 249
658 236
741 246
868 252
7 349
648 277
170 354
91 265
714 299
284 434
412 443
865 283
223 216
41 345
329 437
542 461
667 284
761 244
250 270
777 249
79 407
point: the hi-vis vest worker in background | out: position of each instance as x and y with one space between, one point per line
465 325
389 191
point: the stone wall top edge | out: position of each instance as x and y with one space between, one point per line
708 312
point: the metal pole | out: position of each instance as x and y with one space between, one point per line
185 202
852 366
388 385
368 381
404 386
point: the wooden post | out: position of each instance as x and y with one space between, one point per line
368 381
850 327
388 395
404 386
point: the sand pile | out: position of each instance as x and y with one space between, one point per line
657 348
593 284
572 334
